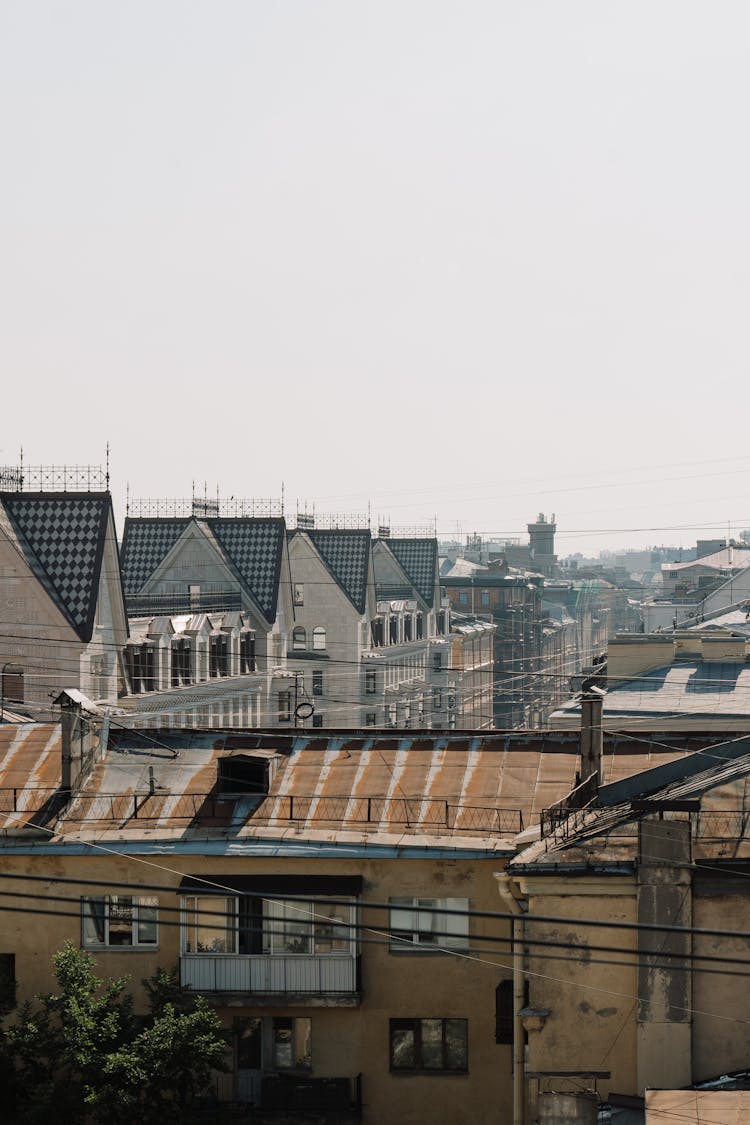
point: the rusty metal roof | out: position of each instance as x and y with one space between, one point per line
367 786
697 1107
30 760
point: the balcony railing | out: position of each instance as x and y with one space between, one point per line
293 1093
266 974
166 605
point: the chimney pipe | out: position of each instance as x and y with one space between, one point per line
591 734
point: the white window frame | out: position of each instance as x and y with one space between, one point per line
144 912
417 924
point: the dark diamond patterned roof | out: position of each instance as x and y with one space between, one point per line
62 537
145 544
253 547
418 559
347 555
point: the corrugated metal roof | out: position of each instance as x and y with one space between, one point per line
30 766
377 786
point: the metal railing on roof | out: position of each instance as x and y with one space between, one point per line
215 809
170 508
54 478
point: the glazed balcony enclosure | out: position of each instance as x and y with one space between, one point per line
260 938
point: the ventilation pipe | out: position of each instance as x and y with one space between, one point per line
591 734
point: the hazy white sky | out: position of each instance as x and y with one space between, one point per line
471 260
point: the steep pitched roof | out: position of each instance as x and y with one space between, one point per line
145 544
346 555
418 559
253 548
62 537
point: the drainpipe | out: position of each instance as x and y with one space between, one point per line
517 908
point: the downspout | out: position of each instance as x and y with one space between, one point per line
518 908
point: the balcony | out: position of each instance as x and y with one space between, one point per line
318 981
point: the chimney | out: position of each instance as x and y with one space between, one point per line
72 736
591 734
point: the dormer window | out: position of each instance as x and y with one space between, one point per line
142 659
240 776
219 657
180 662
247 652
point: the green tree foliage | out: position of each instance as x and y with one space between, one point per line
81 1055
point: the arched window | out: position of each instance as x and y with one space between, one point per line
299 639
319 638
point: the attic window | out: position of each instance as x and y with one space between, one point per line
243 776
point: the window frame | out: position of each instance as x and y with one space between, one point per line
319 639
417 1027
299 639
288 927
138 919
449 930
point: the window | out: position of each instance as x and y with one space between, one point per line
420 626
370 718
407 626
424 924
180 662
11 686
7 982
429 1046
437 700
299 593
273 1043
194 594
119 921
393 630
319 638
317 720
208 924
371 682
219 657
247 652
142 659
243 775
377 632
484 598
290 1043
299 639
285 707
437 661
504 1012
463 597
308 927
218 924
317 682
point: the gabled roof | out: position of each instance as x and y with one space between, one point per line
253 548
62 537
418 559
346 555
145 544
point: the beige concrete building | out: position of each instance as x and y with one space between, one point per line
632 916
